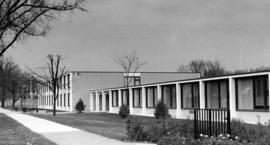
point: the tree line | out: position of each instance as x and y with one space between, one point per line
208 68
14 83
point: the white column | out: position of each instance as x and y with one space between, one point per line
269 89
119 98
159 92
178 100
202 94
232 98
143 101
110 101
130 100
91 100
97 101
103 101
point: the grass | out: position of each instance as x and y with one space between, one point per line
105 124
14 133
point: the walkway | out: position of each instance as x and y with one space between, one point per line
62 134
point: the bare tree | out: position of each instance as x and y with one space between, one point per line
21 18
130 63
51 75
6 67
207 68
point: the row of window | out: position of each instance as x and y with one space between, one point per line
63 100
251 94
64 82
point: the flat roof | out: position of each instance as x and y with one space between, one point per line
194 79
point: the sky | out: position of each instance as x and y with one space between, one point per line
164 33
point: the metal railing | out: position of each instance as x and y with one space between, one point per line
211 122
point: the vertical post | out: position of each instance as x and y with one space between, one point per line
232 97
103 101
97 101
110 100
202 94
268 89
159 92
143 101
195 123
228 122
178 101
119 98
130 95
210 122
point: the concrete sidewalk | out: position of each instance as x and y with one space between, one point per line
62 134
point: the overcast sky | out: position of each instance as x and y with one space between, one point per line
165 33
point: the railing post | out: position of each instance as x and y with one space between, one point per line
195 123
210 123
228 122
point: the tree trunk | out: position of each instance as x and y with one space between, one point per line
54 106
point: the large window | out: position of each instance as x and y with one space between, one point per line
137 97
68 99
190 95
169 95
115 98
252 93
125 97
151 97
217 96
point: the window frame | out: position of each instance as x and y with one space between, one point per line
170 106
117 98
123 96
154 96
255 108
219 94
192 95
140 97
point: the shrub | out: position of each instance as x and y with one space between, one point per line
24 109
135 129
16 108
124 111
80 106
255 134
161 111
154 133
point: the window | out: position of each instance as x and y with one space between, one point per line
68 100
60 99
190 95
125 97
94 101
132 80
169 95
137 97
217 94
151 97
64 100
64 78
68 82
252 93
115 98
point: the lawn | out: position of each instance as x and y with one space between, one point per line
14 133
105 124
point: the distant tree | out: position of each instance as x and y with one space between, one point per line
51 75
130 63
261 68
207 68
23 18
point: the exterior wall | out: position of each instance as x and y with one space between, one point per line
249 116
